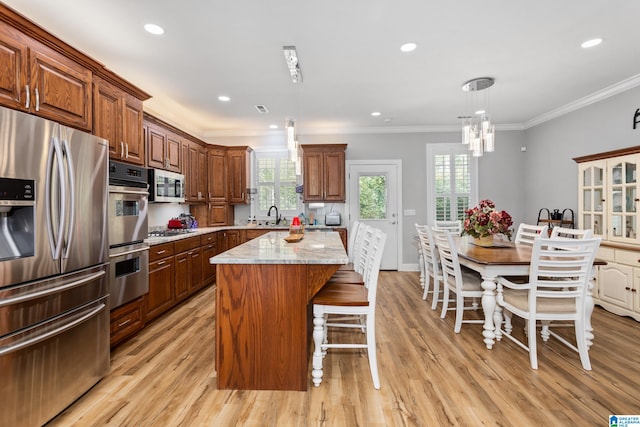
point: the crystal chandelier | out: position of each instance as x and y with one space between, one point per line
477 130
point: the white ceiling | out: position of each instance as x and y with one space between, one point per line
350 58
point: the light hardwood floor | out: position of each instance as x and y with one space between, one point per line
430 376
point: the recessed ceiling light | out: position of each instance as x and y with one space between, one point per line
154 29
591 43
408 47
224 98
273 126
375 113
387 120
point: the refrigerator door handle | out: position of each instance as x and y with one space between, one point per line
53 157
58 289
28 342
71 176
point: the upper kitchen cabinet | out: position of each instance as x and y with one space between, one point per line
163 147
239 167
41 81
117 117
217 174
195 171
323 172
42 75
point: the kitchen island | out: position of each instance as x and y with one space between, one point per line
263 310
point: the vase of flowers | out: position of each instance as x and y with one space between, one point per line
484 221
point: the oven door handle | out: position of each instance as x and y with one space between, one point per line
54 290
139 192
133 251
61 329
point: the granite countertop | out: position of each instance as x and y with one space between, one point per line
204 230
320 247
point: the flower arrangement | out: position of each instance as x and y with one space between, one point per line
484 220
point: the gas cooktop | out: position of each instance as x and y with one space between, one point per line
170 232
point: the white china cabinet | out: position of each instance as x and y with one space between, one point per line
608 204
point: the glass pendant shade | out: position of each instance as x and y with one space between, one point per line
478 131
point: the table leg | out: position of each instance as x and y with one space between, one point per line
489 308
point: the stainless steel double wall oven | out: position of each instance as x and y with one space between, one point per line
128 254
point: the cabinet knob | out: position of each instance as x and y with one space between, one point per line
634 290
626 288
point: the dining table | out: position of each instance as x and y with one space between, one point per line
505 258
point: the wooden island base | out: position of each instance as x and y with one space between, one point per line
263 324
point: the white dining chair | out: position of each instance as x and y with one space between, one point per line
571 233
430 264
349 300
455 226
464 283
527 232
558 282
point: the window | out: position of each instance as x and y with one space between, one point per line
451 181
276 183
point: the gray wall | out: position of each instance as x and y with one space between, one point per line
500 172
543 176
550 174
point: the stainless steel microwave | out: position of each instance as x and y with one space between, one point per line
165 186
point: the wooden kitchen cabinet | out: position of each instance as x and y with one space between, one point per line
117 117
161 296
126 320
217 175
189 266
163 147
239 174
195 171
232 238
41 81
323 169
209 244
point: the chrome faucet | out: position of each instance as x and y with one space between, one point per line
277 216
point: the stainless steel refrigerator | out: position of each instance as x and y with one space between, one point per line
54 314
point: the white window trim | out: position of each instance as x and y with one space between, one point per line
447 148
281 153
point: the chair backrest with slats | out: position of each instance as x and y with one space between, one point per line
448 257
356 258
454 226
561 265
352 238
571 233
374 246
428 249
528 232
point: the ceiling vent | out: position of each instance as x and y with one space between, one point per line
261 109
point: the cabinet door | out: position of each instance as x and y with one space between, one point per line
181 284
132 129
218 214
161 295
195 264
614 285
208 269
217 175
237 164
312 164
334 182
126 320
192 173
13 72
202 174
622 195
61 89
172 152
107 102
591 195
156 143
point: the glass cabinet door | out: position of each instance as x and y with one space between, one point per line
623 198
591 197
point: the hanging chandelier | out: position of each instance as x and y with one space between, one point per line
477 130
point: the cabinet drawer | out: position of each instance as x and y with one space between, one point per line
157 252
126 320
252 234
607 254
208 238
631 258
186 244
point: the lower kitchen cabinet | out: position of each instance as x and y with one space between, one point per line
161 296
188 277
209 248
126 320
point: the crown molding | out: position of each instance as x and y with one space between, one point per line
607 92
